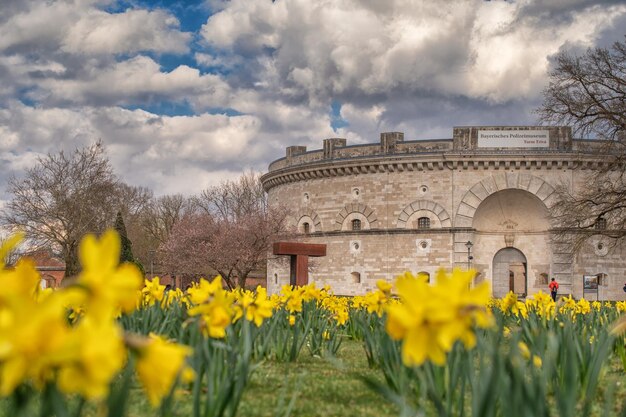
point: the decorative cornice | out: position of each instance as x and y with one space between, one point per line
440 162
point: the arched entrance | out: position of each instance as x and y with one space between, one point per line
509 272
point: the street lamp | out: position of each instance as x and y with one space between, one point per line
151 251
469 245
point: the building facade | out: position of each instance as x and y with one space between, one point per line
480 199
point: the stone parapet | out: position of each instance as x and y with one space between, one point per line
464 142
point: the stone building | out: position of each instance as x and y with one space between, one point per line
479 200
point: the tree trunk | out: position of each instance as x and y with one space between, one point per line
241 280
70 255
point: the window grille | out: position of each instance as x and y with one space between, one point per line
423 223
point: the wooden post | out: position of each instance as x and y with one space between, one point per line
299 262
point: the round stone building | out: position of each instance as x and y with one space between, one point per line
480 200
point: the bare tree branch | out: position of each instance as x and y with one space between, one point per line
62 198
589 93
230 231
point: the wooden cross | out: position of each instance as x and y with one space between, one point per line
299 253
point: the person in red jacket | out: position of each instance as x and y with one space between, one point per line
554 287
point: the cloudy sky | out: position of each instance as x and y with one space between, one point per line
187 93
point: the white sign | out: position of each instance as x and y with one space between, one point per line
513 138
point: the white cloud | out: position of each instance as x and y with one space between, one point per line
274 68
493 50
165 153
138 79
98 32
511 55
32 28
80 27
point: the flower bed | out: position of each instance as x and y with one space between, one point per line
442 349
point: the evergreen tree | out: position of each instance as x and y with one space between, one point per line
126 252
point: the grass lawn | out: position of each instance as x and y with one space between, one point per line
317 387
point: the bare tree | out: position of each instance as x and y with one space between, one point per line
63 197
162 214
589 93
229 232
153 226
233 200
598 208
133 201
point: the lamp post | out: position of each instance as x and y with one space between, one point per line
469 245
152 251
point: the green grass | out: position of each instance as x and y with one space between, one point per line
316 386
310 387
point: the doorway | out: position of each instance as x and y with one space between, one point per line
510 273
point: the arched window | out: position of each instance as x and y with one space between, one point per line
600 223
602 278
423 223
356 277
424 274
356 224
306 228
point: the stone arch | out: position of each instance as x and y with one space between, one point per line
510 272
498 182
311 217
357 211
418 208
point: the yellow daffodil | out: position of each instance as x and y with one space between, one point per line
430 319
158 365
384 286
93 355
523 349
152 292
109 286
202 291
216 313
260 309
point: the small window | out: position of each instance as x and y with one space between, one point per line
306 228
423 223
424 274
275 278
356 224
356 277
602 279
600 223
